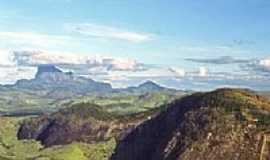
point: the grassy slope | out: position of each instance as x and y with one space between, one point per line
13 149
126 104
26 103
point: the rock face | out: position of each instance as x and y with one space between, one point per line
224 124
51 74
83 122
42 69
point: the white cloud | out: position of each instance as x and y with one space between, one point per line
5 58
122 64
179 72
203 72
11 74
264 63
22 64
35 58
260 67
107 32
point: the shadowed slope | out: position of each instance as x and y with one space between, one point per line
82 122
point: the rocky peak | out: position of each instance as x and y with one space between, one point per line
47 68
51 74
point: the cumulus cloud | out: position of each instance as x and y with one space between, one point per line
260 66
220 60
76 61
107 32
203 72
179 72
5 58
22 64
11 74
264 64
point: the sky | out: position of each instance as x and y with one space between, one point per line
198 45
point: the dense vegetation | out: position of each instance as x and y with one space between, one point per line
224 124
83 122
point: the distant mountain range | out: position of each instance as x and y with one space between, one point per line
51 82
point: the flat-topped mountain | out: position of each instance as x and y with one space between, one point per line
46 69
224 124
51 74
53 82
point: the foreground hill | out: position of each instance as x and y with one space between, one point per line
224 124
82 122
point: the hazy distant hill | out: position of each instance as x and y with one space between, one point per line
52 87
224 124
145 87
51 82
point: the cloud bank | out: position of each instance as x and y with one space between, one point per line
35 58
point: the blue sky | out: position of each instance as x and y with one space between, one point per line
222 42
